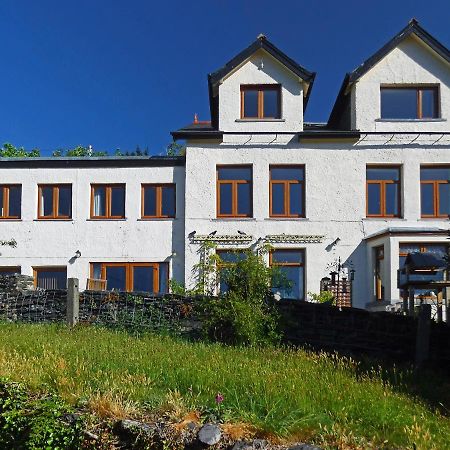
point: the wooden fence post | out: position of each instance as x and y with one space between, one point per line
73 301
423 334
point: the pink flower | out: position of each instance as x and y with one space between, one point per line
219 398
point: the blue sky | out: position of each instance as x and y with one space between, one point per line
117 74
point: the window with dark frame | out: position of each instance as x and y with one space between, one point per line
10 201
158 201
435 191
132 277
234 191
107 201
409 102
287 191
261 101
291 263
51 277
54 201
383 191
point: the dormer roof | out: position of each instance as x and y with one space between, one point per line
341 106
261 42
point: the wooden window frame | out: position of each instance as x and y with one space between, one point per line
159 206
379 256
419 101
234 191
6 188
260 88
383 184
4 269
108 190
38 269
290 264
55 199
436 196
286 183
129 273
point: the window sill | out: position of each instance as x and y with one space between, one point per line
52 220
411 120
106 220
434 218
5 219
384 219
234 219
284 219
260 120
157 219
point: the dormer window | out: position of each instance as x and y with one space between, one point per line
262 101
409 102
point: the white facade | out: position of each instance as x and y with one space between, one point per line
334 224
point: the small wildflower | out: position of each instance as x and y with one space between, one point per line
219 398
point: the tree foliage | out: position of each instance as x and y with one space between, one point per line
10 151
176 149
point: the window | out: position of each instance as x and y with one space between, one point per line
107 201
409 102
158 201
291 265
52 277
227 259
10 201
287 191
133 277
54 201
261 101
234 191
383 191
440 250
435 191
379 272
9 270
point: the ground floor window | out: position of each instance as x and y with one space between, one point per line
50 277
291 263
10 270
440 250
132 277
227 258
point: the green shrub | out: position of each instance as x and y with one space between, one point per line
322 297
33 423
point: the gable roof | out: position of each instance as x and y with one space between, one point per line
413 27
263 43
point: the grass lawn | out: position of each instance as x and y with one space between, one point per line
282 392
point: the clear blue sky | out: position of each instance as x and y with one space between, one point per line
116 74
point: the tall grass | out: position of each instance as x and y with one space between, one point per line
284 392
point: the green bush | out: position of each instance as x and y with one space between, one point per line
33 423
245 313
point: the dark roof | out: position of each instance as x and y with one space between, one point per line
417 261
403 231
197 130
261 43
103 161
413 27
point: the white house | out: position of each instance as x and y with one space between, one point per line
366 188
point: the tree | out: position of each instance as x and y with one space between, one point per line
79 151
176 149
10 151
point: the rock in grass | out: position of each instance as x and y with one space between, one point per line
209 434
304 447
133 427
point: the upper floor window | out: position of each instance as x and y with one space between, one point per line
409 102
10 201
132 277
107 201
435 191
287 191
234 191
261 101
54 201
158 201
383 191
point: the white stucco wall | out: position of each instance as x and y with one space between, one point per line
53 242
335 175
252 73
410 63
